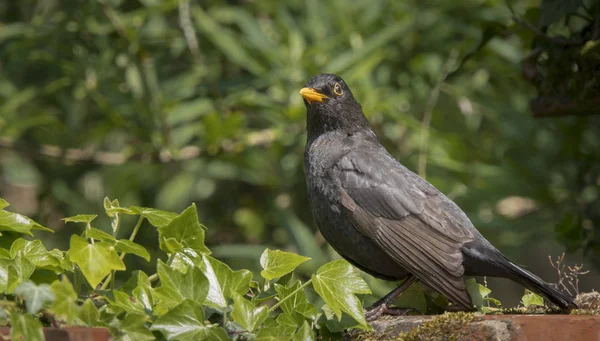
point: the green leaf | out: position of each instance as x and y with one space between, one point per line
100 235
96 261
224 282
127 246
25 327
65 305
35 296
297 302
333 325
172 245
4 274
126 302
337 282
226 41
413 297
80 218
477 292
275 333
19 270
176 287
156 218
186 230
89 314
186 322
35 252
305 333
19 223
246 315
279 263
140 288
532 299
134 328
121 245
3 203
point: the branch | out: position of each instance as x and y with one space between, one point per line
185 22
71 156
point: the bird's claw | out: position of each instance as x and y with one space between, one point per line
373 313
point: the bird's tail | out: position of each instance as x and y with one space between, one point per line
536 284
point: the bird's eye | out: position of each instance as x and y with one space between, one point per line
337 89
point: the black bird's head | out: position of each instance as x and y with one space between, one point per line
331 106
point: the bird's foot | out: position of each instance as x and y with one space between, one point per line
373 313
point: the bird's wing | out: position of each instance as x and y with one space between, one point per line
407 217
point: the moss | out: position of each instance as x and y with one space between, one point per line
449 326
588 300
585 312
361 335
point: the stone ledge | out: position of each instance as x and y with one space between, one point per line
464 326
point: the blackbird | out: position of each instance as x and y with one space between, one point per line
385 219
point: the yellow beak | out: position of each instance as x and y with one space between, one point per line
311 95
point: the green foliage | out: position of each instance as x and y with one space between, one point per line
532 299
278 263
192 296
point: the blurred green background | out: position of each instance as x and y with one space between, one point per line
164 103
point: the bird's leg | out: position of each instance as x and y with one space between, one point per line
382 306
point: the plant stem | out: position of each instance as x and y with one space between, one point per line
115 224
153 278
88 227
136 228
290 295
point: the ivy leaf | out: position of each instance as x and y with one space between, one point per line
279 263
337 282
186 322
19 269
65 305
172 245
4 271
97 234
305 333
156 218
121 245
275 333
80 218
96 261
333 325
297 303
124 301
175 287
532 299
140 288
89 314
223 281
414 297
134 328
35 252
246 315
127 246
35 296
186 230
477 292
19 223
25 327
